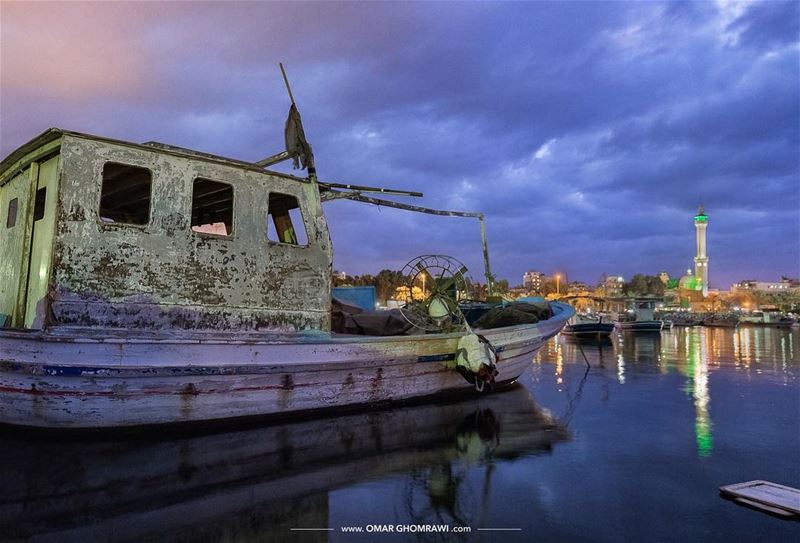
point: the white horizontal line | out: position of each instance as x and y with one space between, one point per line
311 529
499 529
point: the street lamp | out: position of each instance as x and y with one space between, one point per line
558 284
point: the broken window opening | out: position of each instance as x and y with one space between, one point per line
38 205
125 195
212 207
285 220
11 218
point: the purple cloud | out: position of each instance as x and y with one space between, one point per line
588 132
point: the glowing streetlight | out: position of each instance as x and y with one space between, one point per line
558 284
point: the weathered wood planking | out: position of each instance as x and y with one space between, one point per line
775 498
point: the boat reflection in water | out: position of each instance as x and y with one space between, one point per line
259 481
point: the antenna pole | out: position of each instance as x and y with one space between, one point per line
286 81
487 270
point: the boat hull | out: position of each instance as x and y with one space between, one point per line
589 330
778 324
640 326
64 381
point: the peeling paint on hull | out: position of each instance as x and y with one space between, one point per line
63 382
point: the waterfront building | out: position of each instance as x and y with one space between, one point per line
792 282
612 285
786 284
533 280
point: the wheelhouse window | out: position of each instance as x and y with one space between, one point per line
212 207
38 204
125 196
11 218
285 221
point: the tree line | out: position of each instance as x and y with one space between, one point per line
644 285
387 281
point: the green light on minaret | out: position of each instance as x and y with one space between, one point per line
701 215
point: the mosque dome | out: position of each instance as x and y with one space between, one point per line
688 281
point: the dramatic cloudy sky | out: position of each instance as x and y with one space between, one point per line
587 132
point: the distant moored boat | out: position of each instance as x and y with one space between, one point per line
767 318
584 325
719 320
640 317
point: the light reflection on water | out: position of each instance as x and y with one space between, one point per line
681 349
691 352
632 448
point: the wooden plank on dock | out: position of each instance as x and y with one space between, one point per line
771 497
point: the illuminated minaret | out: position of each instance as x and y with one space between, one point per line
701 260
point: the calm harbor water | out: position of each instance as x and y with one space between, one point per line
633 448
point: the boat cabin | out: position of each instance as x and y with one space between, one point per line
632 309
102 233
642 309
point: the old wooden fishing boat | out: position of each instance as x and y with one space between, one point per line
149 284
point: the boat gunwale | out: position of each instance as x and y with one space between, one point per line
60 334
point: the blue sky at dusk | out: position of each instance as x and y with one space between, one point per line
588 132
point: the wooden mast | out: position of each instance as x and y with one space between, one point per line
312 170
